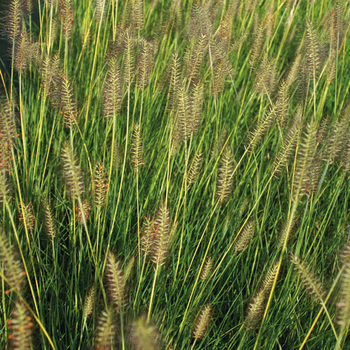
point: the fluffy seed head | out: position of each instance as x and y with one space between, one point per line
202 322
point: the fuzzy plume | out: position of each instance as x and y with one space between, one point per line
265 81
90 302
257 306
112 90
312 47
7 134
14 18
194 169
106 331
174 81
115 282
67 16
100 185
21 327
261 129
245 236
13 270
202 323
161 235
258 42
311 282
68 107
72 172
143 335
343 303
136 149
49 219
207 267
145 64
225 175
305 156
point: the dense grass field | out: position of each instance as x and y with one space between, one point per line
174 174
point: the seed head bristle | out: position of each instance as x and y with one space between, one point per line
100 185
21 325
305 156
201 324
161 235
72 172
136 149
196 59
258 43
4 187
67 17
106 330
26 216
100 10
312 284
115 282
137 15
129 57
12 267
145 64
128 268
143 335
112 90
207 267
90 302
13 21
312 47
261 129
287 232
257 306
287 149
225 175
49 218
293 72
338 138
68 107
174 81
194 169
265 81
245 236
22 52
343 303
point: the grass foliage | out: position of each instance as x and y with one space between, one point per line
175 174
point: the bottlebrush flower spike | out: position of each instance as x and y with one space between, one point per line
72 172
106 330
112 90
50 224
136 149
115 282
225 175
100 185
21 325
12 267
202 323
144 336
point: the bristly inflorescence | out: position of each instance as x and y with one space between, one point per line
68 107
72 172
245 236
112 90
201 324
67 18
105 337
21 327
137 149
258 303
225 175
343 303
13 269
100 185
115 282
49 217
312 284
14 19
144 335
